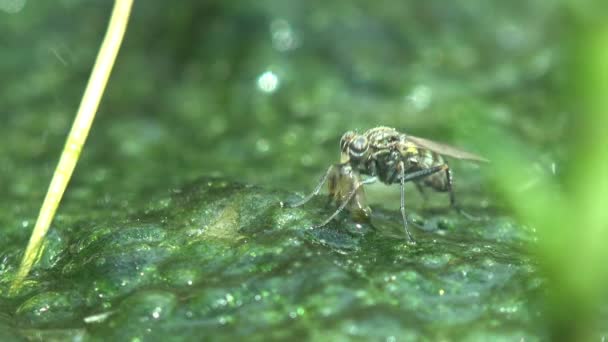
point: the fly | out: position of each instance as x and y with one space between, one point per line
386 155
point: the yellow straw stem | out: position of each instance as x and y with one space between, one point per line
77 137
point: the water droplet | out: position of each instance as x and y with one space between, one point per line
156 312
262 145
420 97
268 82
283 37
229 298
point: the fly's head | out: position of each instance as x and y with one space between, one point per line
354 148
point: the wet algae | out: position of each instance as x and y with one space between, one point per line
216 112
224 260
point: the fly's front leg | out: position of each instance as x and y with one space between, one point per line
346 200
358 204
341 183
315 192
333 184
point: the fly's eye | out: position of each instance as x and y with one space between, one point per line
358 146
345 140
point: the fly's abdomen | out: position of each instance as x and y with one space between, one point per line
438 181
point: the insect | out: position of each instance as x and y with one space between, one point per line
386 155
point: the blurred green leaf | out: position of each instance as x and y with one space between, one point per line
12 6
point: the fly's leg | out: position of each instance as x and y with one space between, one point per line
333 185
449 185
402 206
453 204
413 176
314 192
346 200
341 183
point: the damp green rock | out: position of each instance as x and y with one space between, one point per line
8 332
226 258
136 318
49 308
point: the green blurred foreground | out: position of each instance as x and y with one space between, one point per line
160 237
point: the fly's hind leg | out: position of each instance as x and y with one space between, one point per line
453 204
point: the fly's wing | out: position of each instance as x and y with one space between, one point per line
445 150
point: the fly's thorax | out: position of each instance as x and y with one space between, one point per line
410 153
407 148
383 137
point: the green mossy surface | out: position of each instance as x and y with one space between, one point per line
224 260
172 228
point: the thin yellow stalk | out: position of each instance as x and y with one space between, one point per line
77 137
